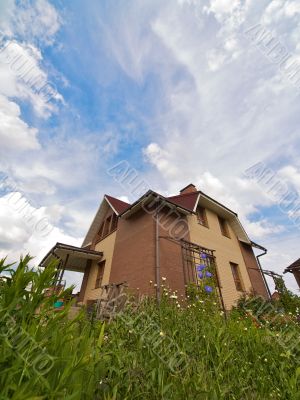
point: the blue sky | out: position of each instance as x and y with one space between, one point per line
178 89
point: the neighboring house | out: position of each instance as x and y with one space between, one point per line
294 269
159 237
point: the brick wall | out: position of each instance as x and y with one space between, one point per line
134 259
256 278
134 253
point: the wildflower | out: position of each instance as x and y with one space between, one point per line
130 331
150 282
203 336
208 289
163 278
208 274
265 360
173 296
161 334
201 267
155 285
201 301
203 255
200 275
178 305
245 329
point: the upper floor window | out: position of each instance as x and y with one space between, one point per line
100 273
201 216
114 222
224 227
107 226
236 276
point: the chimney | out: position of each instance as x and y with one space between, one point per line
188 189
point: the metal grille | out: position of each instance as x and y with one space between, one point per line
199 268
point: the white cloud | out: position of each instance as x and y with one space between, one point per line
34 21
160 158
291 175
22 77
15 134
25 229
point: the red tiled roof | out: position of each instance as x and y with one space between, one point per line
119 205
186 200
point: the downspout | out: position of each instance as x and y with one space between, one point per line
157 264
261 271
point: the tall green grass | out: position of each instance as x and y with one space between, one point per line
130 358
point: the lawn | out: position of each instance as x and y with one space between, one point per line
177 350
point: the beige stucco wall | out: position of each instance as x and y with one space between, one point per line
107 247
226 251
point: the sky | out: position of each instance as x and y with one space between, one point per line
187 91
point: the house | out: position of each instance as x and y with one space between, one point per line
294 268
167 238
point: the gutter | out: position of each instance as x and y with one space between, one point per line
262 273
157 263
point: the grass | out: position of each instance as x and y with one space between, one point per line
169 352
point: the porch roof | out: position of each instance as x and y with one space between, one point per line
71 258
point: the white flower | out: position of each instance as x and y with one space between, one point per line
245 329
161 333
150 282
163 278
155 284
173 296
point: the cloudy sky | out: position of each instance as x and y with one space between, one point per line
184 91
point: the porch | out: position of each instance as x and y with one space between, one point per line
69 258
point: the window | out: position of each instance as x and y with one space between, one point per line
114 222
107 226
100 232
201 215
236 276
100 272
224 227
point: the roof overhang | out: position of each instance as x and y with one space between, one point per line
224 212
71 258
295 267
151 198
95 225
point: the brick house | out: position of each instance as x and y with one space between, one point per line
167 237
